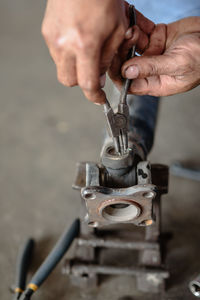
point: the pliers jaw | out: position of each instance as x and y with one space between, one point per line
117 124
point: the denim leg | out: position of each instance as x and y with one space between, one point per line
143 117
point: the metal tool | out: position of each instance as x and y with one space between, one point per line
118 122
47 266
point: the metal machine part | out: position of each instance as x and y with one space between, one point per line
145 277
194 286
120 191
108 211
107 205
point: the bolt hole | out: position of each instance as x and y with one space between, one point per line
90 196
93 224
146 223
85 275
148 195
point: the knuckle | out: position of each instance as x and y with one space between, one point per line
85 44
185 63
151 69
84 40
45 32
161 27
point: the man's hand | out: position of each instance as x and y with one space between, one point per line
83 37
173 70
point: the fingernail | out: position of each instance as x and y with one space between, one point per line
132 72
129 33
102 80
97 103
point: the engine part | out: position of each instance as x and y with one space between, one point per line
107 205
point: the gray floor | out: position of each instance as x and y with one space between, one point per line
44 130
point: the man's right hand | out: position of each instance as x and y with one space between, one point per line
83 37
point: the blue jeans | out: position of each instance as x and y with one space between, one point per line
166 11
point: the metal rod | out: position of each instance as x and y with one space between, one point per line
80 269
117 243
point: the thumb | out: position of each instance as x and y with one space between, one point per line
146 66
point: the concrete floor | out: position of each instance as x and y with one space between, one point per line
44 130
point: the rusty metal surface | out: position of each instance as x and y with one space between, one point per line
80 269
128 195
117 205
116 243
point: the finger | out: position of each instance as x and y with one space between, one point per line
114 71
146 66
88 75
157 42
158 86
111 47
144 23
64 61
129 43
129 33
146 44
66 71
146 86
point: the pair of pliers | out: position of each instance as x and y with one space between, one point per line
118 122
63 244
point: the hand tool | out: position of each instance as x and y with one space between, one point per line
23 263
48 265
52 260
118 122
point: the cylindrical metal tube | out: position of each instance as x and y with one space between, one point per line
117 243
194 286
78 269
